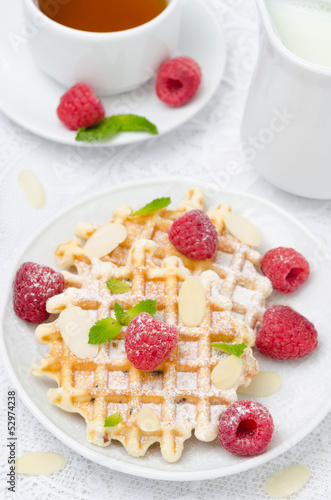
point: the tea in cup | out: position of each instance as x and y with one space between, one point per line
102 16
72 48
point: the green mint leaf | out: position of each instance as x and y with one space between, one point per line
113 420
148 306
108 128
134 123
152 207
124 317
117 286
104 330
119 313
235 349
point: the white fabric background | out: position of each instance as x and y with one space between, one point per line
203 149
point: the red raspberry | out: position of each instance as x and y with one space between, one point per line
33 285
286 268
149 342
285 334
246 428
80 107
194 235
177 81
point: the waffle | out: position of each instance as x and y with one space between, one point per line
180 390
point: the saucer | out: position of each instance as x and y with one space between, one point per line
30 98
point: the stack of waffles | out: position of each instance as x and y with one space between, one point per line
180 391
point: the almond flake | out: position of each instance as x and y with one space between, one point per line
40 464
192 302
263 384
241 229
148 420
287 481
105 240
75 325
31 189
227 372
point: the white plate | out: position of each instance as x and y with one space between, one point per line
30 98
304 398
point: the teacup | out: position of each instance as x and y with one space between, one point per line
110 62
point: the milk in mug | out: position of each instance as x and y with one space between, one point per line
304 27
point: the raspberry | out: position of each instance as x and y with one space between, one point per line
149 342
286 268
246 428
194 235
33 285
178 81
80 107
285 334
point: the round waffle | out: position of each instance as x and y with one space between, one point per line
180 391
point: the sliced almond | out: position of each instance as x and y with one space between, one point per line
241 229
227 372
192 302
148 420
32 189
105 240
287 481
263 384
75 325
40 464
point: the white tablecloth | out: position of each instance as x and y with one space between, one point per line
203 148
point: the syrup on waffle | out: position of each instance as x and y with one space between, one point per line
180 391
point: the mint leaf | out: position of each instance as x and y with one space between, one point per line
235 349
152 207
116 286
119 313
134 123
108 128
104 330
148 306
108 328
124 317
113 420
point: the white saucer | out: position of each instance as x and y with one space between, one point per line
303 399
30 98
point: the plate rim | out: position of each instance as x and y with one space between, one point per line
114 463
137 137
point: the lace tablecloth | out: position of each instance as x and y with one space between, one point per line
206 148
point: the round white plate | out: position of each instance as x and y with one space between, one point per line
30 97
301 403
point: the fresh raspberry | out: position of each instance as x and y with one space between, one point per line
246 428
194 235
80 107
33 285
178 81
285 334
286 268
149 342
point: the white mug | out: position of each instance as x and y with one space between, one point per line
286 125
110 62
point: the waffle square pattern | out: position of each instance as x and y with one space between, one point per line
180 390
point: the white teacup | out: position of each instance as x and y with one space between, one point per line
110 62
